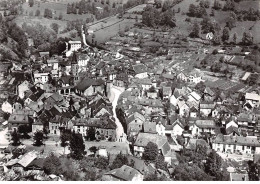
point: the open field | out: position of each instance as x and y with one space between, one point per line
102 35
57 9
247 4
43 21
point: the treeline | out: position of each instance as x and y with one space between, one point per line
84 7
9 29
242 15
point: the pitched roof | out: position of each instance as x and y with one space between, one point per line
205 123
26 159
124 173
207 105
237 140
87 82
252 96
144 138
150 127
18 118
139 68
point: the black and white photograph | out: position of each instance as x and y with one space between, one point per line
129 90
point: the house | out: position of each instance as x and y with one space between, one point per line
24 161
182 76
167 92
253 99
152 94
41 78
124 173
90 87
15 120
150 127
121 80
183 108
175 97
102 110
245 121
144 138
53 63
145 83
194 97
140 71
135 122
174 129
201 126
209 95
160 129
193 112
83 60
104 127
206 108
37 126
74 45
238 177
236 144
36 164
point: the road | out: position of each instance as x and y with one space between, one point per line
115 93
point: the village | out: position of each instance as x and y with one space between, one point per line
155 106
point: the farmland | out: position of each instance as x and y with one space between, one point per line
57 8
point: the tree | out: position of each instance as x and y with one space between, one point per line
47 13
17 152
91 134
55 27
225 35
217 5
24 130
213 166
252 171
217 39
37 13
101 163
160 163
195 30
38 138
52 165
15 138
119 161
60 16
180 139
77 146
150 151
93 149
65 138
186 172
154 177
31 3
235 38
247 38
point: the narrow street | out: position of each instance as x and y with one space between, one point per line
115 93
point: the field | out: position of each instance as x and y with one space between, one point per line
57 9
43 21
110 30
247 4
